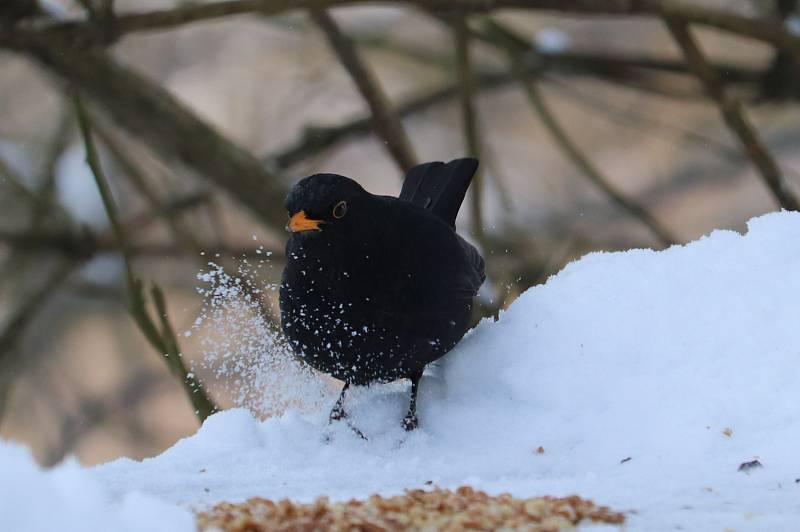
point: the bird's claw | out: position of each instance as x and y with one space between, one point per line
337 414
410 422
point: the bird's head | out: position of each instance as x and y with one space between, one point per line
322 201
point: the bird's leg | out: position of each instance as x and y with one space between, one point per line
410 422
338 412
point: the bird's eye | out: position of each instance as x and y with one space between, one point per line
340 209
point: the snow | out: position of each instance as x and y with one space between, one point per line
77 190
552 40
69 498
685 361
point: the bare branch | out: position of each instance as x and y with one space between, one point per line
182 236
151 114
384 120
316 139
17 324
88 33
511 43
733 114
469 119
88 6
203 406
162 340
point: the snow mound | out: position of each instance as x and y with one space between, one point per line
68 498
639 379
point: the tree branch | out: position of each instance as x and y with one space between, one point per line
182 236
162 340
317 139
386 123
733 114
469 119
89 33
18 323
151 114
514 49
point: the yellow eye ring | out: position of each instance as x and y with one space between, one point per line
340 210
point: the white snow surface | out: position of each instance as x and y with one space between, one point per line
686 361
69 498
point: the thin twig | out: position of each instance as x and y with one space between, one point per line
162 340
638 71
53 151
88 33
203 406
136 177
18 323
509 42
469 119
317 139
733 114
92 412
168 127
89 7
385 121
16 182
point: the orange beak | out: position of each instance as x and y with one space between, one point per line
300 222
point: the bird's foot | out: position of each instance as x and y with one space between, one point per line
357 432
410 422
328 437
337 414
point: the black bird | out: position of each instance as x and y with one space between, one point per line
377 287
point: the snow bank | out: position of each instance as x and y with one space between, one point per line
646 377
68 498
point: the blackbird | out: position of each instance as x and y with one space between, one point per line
377 287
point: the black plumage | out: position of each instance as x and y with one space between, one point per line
377 287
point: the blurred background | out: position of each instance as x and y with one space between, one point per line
596 130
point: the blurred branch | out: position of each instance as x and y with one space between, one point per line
641 121
611 66
88 32
20 320
69 244
151 114
92 412
469 120
88 6
164 340
201 402
733 114
169 209
16 182
385 121
52 153
781 79
316 139
641 72
514 48
83 244
137 179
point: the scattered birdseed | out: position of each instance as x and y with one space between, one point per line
462 509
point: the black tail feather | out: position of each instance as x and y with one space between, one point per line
440 187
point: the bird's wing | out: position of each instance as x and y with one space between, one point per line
425 257
473 280
438 187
